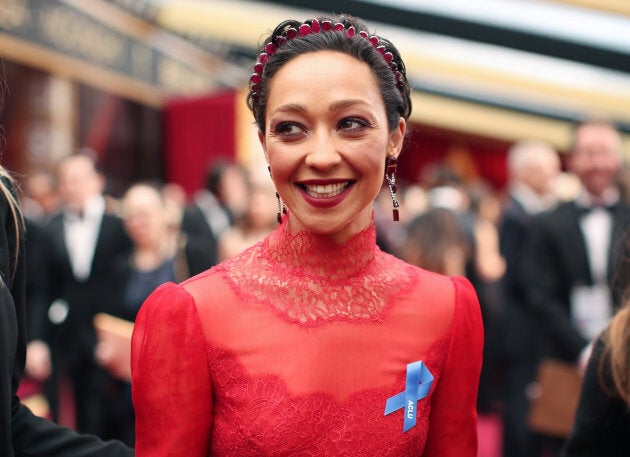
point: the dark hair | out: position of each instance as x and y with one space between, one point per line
431 236
396 94
617 355
215 174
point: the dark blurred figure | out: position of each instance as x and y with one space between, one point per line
21 432
77 246
533 167
485 269
477 208
39 202
218 206
436 242
571 252
160 254
602 423
259 220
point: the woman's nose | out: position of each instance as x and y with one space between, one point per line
323 153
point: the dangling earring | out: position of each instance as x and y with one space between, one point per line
390 177
282 208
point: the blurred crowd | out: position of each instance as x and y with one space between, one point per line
527 255
91 254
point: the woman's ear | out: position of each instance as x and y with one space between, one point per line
263 143
396 139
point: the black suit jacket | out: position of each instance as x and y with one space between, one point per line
74 338
191 259
518 324
554 261
196 228
22 433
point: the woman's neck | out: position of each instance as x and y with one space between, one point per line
339 235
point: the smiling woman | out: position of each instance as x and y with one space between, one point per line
314 341
326 142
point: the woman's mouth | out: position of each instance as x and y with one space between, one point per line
325 190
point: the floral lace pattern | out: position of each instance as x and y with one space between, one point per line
311 280
238 361
255 416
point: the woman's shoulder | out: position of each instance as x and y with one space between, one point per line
166 299
452 300
443 289
205 280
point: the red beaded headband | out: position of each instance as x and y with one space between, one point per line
315 27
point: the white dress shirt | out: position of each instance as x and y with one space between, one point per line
81 234
591 307
596 227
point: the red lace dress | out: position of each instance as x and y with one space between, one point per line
293 347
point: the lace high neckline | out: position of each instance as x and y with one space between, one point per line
319 256
310 279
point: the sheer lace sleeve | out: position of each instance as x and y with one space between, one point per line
452 429
172 393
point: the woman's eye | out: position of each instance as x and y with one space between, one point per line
352 124
287 128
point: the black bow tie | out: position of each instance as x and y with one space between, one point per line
584 210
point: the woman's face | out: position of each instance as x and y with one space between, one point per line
326 142
144 216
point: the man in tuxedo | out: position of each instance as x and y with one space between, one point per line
571 252
533 167
77 248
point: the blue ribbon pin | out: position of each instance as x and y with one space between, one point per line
417 385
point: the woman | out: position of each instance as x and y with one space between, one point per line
160 254
313 341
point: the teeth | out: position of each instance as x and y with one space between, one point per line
327 190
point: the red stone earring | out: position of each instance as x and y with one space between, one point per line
390 178
282 208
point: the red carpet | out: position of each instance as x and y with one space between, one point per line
489 435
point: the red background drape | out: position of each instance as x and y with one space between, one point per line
470 157
198 131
